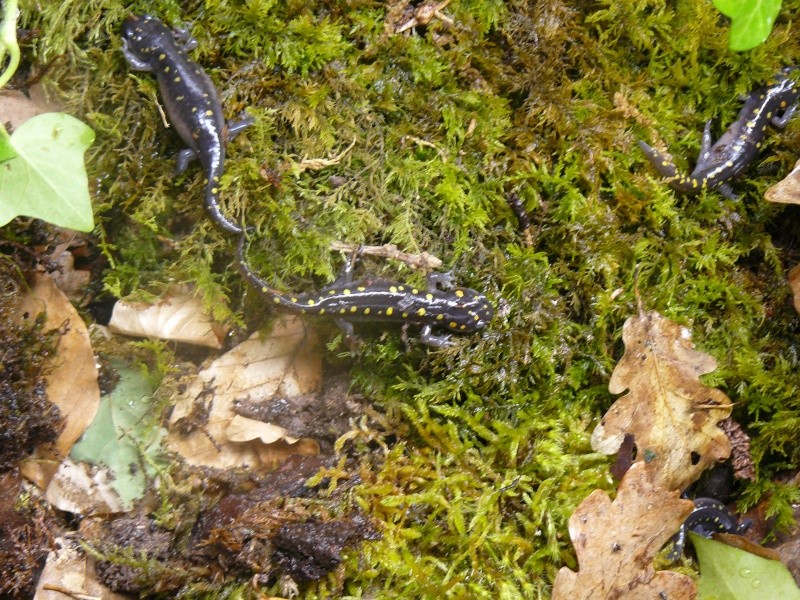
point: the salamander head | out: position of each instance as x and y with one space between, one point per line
471 311
142 35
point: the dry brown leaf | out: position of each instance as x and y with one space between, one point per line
68 574
178 317
786 191
72 379
84 489
671 414
204 427
16 107
616 541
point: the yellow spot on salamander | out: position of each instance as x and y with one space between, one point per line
694 183
389 311
194 109
401 288
751 124
421 312
294 300
758 144
331 292
346 292
311 303
476 317
166 69
209 112
180 98
755 111
729 164
405 315
353 308
428 296
341 311
361 288
414 291
321 311
463 327
214 190
453 324
162 56
276 299
459 293
393 289
664 163
366 311
769 115
177 80
783 102
439 317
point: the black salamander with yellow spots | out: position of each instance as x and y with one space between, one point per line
709 516
459 310
190 99
735 150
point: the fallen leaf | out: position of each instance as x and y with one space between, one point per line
787 190
16 107
204 427
69 573
178 317
84 489
671 414
121 433
794 283
727 573
616 541
72 380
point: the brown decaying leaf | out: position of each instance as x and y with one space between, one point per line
83 489
70 573
616 541
178 317
204 427
786 191
794 283
671 414
72 380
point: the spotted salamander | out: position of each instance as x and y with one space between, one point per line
440 306
709 516
735 150
190 98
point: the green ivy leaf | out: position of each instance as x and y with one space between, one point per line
43 174
727 573
120 433
751 21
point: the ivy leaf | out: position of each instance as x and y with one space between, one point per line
727 573
120 433
751 21
43 174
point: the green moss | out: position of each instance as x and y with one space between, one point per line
489 452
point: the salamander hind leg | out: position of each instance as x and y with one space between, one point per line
662 162
234 128
781 121
430 339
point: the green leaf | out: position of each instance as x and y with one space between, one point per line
47 178
120 433
6 149
751 21
727 573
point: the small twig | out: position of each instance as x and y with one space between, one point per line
424 261
315 164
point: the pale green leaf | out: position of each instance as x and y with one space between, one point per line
122 430
727 573
751 21
47 178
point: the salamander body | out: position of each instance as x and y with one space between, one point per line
737 147
459 310
190 99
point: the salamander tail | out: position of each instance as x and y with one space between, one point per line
667 169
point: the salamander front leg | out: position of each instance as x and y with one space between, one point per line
441 281
234 128
779 122
705 148
727 191
136 63
187 42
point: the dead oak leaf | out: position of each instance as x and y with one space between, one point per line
616 541
671 414
204 427
786 191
